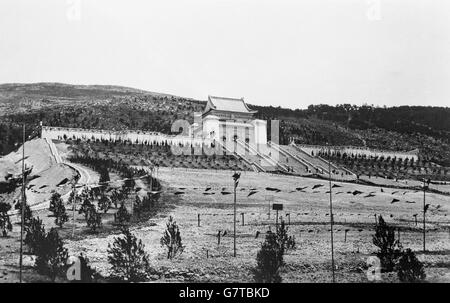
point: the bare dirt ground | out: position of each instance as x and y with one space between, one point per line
46 176
205 261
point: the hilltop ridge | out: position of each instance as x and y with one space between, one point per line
120 108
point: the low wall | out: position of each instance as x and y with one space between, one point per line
360 151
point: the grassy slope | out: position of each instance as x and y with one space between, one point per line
114 107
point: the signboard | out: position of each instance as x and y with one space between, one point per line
277 206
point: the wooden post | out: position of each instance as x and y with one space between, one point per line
276 224
198 219
234 222
345 235
22 215
73 208
289 218
424 211
331 215
218 238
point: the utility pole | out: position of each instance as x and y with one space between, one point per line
424 211
236 177
331 214
74 201
23 206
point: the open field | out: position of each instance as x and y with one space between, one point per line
309 222
308 209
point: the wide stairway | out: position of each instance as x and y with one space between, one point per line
318 165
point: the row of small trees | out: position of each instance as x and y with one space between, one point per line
127 256
92 212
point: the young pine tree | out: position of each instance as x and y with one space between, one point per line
34 235
137 207
93 219
104 204
128 259
51 256
85 207
171 239
5 223
54 200
28 214
122 215
104 175
388 245
409 268
269 260
60 214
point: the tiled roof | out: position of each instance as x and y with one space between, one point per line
229 104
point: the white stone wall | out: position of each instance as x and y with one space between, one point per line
260 127
360 151
59 133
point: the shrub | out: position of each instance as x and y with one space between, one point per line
137 207
104 203
54 200
128 259
27 215
171 239
5 223
290 243
104 175
93 219
85 207
268 261
59 212
389 247
122 215
409 268
34 234
51 256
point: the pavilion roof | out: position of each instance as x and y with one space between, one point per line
228 104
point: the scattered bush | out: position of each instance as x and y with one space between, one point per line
122 216
54 201
51 256
93 219
128 259
172 239
104 204
269 260
34 234
389 247
59 212
5 223
28 214
409 268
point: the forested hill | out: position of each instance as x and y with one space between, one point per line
115 107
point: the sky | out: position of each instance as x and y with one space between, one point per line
271 52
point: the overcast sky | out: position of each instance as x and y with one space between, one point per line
287 53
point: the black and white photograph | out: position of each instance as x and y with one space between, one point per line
225 142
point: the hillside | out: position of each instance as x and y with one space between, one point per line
120 108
